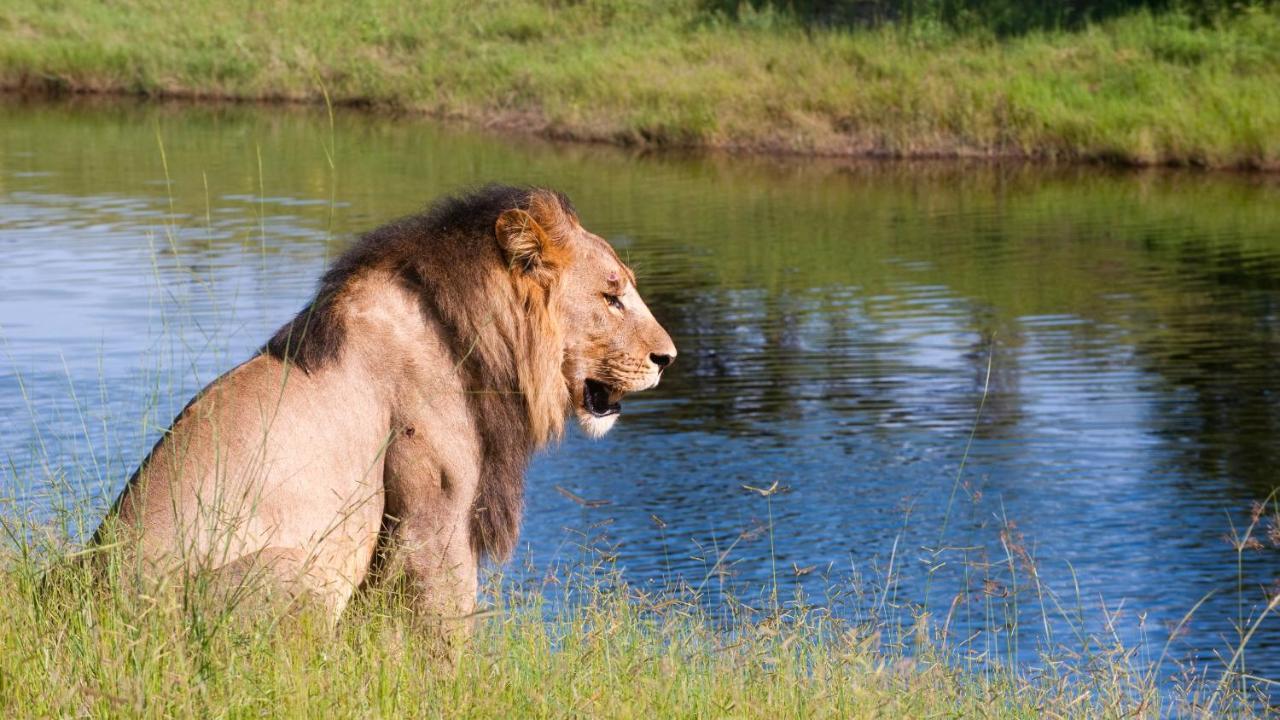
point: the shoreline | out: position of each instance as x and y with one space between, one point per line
524 124
546 131
1139 90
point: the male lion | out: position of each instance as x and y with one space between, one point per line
396 414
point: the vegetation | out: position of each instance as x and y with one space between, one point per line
1110 80
77 645
1003 17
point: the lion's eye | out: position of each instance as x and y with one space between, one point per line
614 301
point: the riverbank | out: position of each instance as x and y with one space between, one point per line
1139 89
74 646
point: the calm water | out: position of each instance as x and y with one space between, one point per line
836 324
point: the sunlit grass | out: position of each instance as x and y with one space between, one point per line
85 632
580 644
1139 89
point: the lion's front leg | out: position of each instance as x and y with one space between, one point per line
432 566
431 479
440 568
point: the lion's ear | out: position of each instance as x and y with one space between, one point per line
527 246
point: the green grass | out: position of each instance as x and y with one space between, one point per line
75 648
82 639
1140 89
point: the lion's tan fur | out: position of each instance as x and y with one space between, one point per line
392 421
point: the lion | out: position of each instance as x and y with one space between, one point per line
392 420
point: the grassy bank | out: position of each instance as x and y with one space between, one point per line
80 637
70 647
1138 88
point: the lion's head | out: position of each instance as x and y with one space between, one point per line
611 344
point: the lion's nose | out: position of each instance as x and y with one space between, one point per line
662 361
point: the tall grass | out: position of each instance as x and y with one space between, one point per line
78 640
1141 88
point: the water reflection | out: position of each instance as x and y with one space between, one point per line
1109 340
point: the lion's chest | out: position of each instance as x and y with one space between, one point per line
432 461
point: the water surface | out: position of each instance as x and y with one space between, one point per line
1111 342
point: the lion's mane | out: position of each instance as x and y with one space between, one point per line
499 322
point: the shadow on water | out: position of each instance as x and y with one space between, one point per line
836 324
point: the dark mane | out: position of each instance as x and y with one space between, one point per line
315 336
443 257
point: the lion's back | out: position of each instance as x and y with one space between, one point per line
265 455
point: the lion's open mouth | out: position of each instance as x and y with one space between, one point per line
599 399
